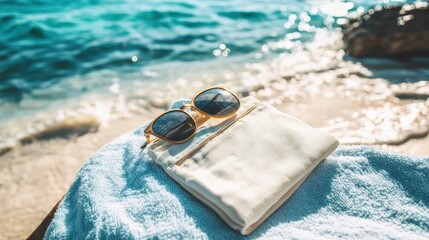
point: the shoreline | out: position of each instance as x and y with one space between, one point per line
361 102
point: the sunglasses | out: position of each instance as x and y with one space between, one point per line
178 126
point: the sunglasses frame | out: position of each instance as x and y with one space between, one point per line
149 131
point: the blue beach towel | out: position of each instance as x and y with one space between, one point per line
358 192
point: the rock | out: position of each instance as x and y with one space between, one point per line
73 126
386 32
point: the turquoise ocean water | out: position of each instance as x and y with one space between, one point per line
44 42
55 55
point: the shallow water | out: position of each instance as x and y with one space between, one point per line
70 69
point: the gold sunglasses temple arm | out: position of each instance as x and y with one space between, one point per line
147 135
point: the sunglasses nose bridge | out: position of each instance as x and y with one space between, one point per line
184 106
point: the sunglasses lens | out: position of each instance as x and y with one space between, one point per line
174 126
217 102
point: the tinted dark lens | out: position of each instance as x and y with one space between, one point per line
174 126
217 102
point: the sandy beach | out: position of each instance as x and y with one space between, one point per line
34 177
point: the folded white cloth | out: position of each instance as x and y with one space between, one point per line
245 167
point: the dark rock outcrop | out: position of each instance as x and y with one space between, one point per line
394 31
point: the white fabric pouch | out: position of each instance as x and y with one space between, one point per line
247 166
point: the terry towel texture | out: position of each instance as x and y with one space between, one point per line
358 192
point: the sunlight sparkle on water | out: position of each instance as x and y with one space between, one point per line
337 9
223 50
